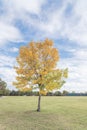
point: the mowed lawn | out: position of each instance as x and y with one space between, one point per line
57 113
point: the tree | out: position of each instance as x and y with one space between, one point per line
65 93
2 86
37 68
57 93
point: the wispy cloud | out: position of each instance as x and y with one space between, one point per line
8 75
9 33
14 49
7 71
7 61
77 68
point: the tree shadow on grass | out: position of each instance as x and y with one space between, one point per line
30 112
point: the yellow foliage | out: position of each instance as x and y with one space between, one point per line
36 63
43 92
26 89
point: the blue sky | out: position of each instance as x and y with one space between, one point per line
63 21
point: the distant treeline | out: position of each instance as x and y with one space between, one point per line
34 93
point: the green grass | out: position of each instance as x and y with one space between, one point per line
57 113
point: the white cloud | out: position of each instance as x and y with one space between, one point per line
13 11
81 54
13 49
7 61
18 10
28 6
24 6
77 74
9 33
7 72
8 75
75 25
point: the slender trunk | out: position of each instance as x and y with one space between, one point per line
39 99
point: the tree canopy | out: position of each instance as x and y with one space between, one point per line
2 84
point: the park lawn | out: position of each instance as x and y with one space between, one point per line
57 113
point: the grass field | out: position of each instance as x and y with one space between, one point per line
57 113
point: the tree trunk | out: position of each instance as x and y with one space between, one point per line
39 99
